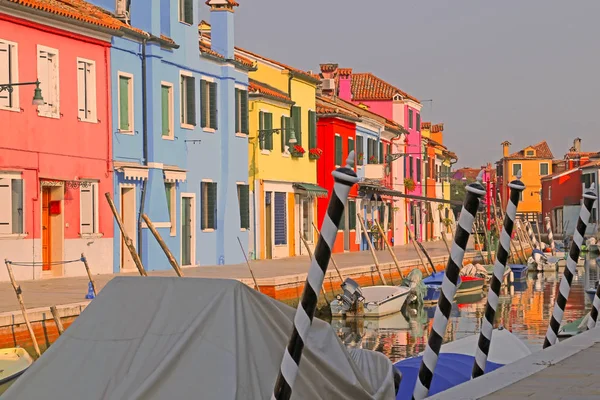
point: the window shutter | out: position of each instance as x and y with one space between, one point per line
190 100
380 152
42 66
338 150
17 205
212 205
359 149
123 103
350 145
82 106
261 127
312 129
166 126
244 106
283 134
390 215
5 212
280 219
238 106
342 226
86 204
351 214
52 83
203 104
213 105
419 122
91 92
5 73
245 206
269 128
410 118
297 121
188 11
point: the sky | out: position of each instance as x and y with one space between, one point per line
516 70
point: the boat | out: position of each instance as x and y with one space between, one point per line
370 301
13 362
505 275
456 360
185 338
540 262
466 285
572 328
519 272
594 248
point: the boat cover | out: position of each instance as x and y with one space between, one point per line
190 338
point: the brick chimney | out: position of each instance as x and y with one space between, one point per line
506 148
222 24
577 145
329 73
345 84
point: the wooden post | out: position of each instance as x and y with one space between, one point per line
331 259
126 238
537 226
366 234
56 317
412 240
163 245
19 294
310 256
442 231
520 235
89 274
248 264
389 247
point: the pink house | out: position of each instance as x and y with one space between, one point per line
55 157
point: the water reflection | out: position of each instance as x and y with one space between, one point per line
524 308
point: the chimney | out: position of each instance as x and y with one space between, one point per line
221 21
345 84
577 144
506 148
329 72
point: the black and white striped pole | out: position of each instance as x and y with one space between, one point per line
550 236
589 197
532 237
344 179
502 253
475 192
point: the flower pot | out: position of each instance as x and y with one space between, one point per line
478 246
314 156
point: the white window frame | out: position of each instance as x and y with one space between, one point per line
547 167
202 203
10 177
95 210
171 135
44 110
182 104
334 149
512 170
237 187
180 12
192 228
13 76
209 94
173 211
130 98
89 92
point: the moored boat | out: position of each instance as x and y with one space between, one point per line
466 285
519 271
371 301
13 362
572 328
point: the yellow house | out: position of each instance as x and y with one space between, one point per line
282 124
534 162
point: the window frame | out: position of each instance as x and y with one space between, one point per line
335 150
92 95
44 110
204 203
10 177
173 211
130 98
512 169
183 102
171 110
181 12
95 209
205 109
239 185
547 168
13 76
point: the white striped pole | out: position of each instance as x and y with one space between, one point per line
589 197
596 302
502 253
536 245
550 236
344 179
475 192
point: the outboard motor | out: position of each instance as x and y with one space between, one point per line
351 296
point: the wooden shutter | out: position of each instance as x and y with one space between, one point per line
188 11
418 122
283 134
297 121
5 212
244 198
203 103
190 100
280 219
5 75
269 131
338 150
42 70
238 105
312 129
52 83
351 214
410 118
350 146
214 113
244 107
82 106
123 103
17 205
360 149
380 152
166 123
86 204
211 205
261 127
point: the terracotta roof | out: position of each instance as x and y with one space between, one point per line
366 86
167 39
329 67
256 87
232 3
243 60
542 151
366 113
306 75
559 174
330 106
594 164
345 71
425 125
437 128
206 48
575 154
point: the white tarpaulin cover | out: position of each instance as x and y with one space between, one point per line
189 338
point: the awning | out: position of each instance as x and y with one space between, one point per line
174 176
381 190
311 189
135 174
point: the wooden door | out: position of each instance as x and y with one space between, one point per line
128 217
186 231
46 230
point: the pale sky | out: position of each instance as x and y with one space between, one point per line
517 70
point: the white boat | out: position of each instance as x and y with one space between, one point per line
13 362
542 263
371 301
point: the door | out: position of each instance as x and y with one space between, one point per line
128 213
268 226
186 231
46 229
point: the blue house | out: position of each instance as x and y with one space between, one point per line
180 134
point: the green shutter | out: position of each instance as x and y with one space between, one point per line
297 120
190 91
214 124
244 107
288 130
168 193
351 214
360 150
350 145
380 152
124 103
338 150
312 130
188 11
269 129
203 104
261 127
283 133
212 205
238 100
166 126
245 206
418 122
342 226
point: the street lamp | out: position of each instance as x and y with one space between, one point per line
38 100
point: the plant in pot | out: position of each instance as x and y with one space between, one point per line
409 184
372 160
297 151
360 158
315 153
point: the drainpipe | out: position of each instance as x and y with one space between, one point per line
392 176
145 143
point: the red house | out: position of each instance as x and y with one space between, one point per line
336 136
560 190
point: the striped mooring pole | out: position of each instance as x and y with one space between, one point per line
550 236
502 253
532 237
475 191
596 302
589 197
344 179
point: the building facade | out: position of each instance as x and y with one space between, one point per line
561 191
55 165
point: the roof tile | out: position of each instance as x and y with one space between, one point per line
542 151
262 88
366 86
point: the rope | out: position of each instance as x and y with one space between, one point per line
38 263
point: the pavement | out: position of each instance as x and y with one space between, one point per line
58 291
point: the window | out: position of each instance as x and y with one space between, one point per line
390 215
360 150
543 169
166 90
265 129
241 111
529 153
410 118
410 168
188 101
88 203
86 90
186 11
9 73
11 213
286 125
338 150
418 122
418 162
297 123
516 168
312 130
352 214
521 195
171 193
307 219
208 104
350 145
243 192
280 219
125 94
209 205
47 69
371 151
380 152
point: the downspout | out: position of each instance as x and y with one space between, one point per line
145 143
392 176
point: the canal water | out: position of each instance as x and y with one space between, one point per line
524 309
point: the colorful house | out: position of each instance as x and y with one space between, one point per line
561 198
283 151
55 165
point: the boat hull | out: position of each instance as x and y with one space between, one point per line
467 285
378 301
13 362
519 271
